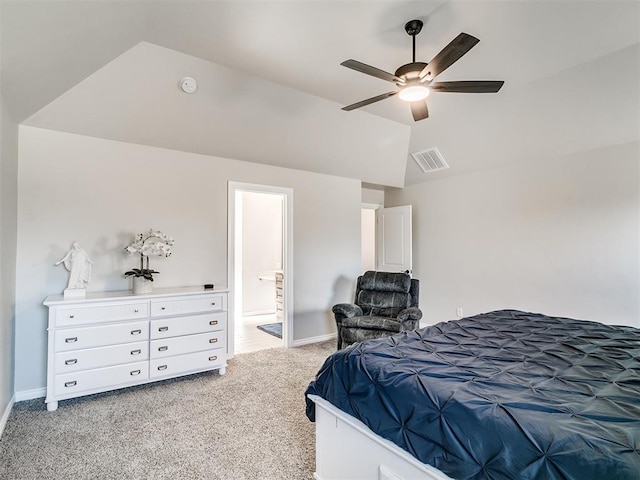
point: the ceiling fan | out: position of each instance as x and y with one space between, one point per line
415 79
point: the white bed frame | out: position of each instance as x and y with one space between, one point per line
346 449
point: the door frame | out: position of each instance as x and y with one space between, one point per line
234 228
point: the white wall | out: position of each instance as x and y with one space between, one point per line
558 237
372 196
101 192
261 250
8 234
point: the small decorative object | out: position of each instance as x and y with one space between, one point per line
79 265
153 242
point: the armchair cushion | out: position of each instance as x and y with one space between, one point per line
353 335
368 322
385 304
385 282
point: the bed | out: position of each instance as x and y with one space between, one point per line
502 395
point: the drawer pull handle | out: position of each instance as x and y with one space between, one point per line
213 358
71 361
72 316
213 322
136 332
135 372
70 384
162 308
136 352
163 329
162 367
213 304
164 348
213 340
135 311
71 339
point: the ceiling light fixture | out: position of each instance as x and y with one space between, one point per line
414 93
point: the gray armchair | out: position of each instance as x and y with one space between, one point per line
385 303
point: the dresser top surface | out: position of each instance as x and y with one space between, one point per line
54 300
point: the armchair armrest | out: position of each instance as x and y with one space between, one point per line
342 311
409 318
411 313
346 310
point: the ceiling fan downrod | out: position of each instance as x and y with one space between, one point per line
413 27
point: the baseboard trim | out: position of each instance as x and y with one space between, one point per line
30 394
310 340
5 415
255 313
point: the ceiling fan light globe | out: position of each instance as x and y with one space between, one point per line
414 93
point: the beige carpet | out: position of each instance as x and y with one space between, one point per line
246 425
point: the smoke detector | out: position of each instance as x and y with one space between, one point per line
188 85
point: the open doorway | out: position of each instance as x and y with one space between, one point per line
259 263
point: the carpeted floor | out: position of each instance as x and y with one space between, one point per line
248 424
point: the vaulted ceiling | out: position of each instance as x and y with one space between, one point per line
271 85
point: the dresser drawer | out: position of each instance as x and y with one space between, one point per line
99 336
161 367
120 375
173 327
91 358
77 315
186 305
167 347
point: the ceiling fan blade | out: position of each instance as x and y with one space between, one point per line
468 86
369 70
449 55
419 110
368 101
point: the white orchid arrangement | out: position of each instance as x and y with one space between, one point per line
151 243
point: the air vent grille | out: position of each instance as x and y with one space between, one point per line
430 160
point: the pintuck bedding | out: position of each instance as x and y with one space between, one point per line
502 395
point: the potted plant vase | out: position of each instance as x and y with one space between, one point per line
142 278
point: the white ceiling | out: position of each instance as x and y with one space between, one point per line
571 70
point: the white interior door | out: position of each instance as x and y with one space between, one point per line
393 239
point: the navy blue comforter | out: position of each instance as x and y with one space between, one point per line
503 395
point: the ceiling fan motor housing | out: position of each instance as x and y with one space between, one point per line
410 70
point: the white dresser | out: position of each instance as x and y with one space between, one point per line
116 339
